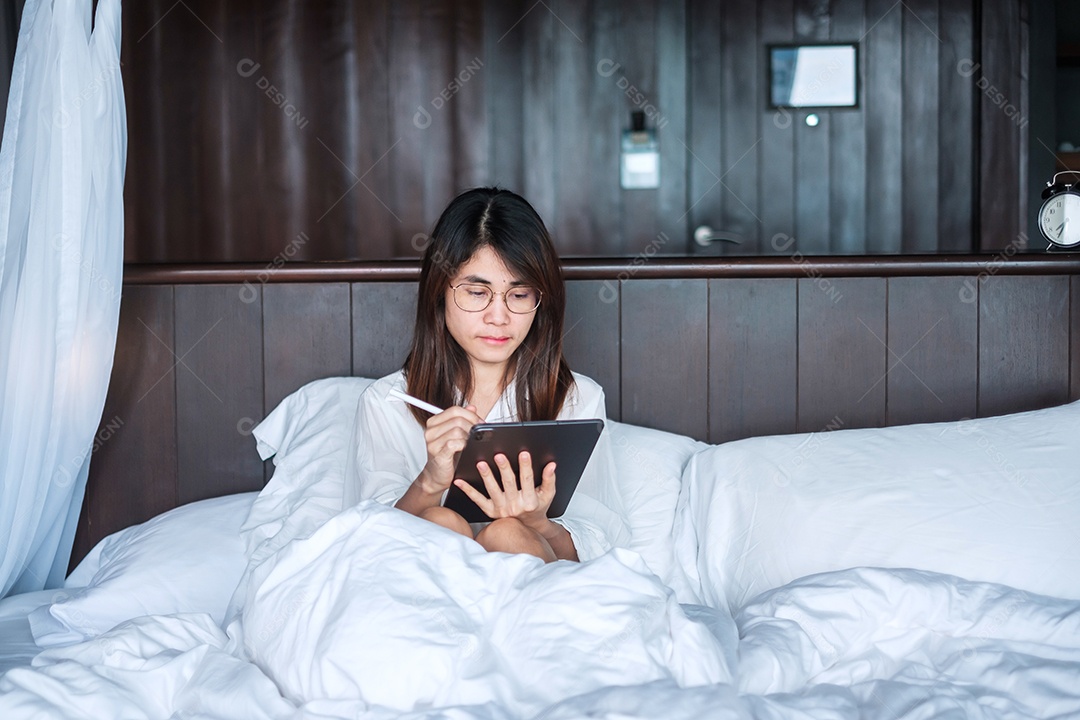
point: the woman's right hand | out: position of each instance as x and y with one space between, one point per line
445 435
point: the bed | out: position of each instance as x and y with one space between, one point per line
912 569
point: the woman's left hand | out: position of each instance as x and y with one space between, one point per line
525 501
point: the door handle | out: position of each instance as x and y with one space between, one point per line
706 236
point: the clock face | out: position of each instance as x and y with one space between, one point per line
1059 219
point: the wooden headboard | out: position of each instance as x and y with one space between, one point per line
717 350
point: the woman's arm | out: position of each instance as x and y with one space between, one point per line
445 436
421 495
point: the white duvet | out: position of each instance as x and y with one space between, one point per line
383 609
379 615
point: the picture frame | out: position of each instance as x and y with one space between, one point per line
813 75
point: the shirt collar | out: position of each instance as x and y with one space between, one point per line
504 409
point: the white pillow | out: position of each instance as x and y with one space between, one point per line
303 426
649 466
995 499
308 435
186 560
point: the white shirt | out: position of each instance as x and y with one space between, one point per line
390 452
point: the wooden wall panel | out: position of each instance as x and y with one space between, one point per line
705 117
371 228
933 350
1001 219
957 182
502 68
1045 103
471 122
295 185
410 117
574 78
145 173
219 389
637 43
439 34
149 160
740 102
842 350
307 335
357 123
812 187
591 334
133 473
246 142
884 47
777 149
812 223
753 344
541 32
671 124
921 102
227 147
665 348
1074 334
607 117
383 317
847 144
1023 343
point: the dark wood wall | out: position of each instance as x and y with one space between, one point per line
714 351
351 124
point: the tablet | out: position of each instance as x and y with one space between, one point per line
569 443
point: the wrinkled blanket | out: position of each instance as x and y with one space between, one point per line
378 615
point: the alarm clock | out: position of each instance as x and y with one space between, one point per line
1059 216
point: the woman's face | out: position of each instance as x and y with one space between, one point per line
489 337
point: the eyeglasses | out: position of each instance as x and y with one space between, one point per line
475 298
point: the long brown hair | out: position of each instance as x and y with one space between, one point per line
437 368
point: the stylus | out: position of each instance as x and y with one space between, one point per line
417 402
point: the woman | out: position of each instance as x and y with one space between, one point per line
487 346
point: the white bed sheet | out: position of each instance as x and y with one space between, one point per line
17 646
876 644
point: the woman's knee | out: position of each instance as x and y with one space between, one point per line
448 519
512 536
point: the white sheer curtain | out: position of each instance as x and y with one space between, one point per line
61 254
10 12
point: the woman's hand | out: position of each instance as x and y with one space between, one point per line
445 435
525 501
